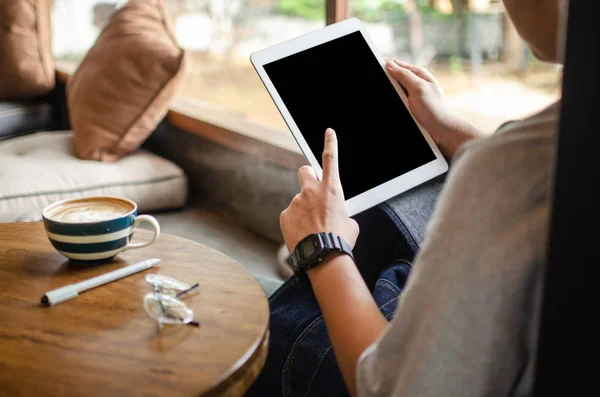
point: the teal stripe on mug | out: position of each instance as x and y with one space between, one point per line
87 248
89 229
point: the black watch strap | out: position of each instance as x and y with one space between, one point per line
328 243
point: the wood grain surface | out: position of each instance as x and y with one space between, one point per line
103 343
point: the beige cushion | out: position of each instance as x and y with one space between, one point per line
38 169
123 87
26 66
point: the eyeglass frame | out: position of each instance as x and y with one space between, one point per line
160 291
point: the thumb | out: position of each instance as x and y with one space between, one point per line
405 77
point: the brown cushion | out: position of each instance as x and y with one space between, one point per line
123 87
26 66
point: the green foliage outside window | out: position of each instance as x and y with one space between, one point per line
307 9
365 10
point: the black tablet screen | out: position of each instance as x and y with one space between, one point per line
340 84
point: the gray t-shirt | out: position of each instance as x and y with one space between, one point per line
467 322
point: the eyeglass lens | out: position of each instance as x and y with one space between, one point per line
163 306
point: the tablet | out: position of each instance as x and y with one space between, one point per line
335 77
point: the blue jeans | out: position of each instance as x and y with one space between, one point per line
300 361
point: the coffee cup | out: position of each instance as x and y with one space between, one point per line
94 229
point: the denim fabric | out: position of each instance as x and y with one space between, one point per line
411 211
300 361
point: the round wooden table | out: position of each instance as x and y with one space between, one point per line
104 343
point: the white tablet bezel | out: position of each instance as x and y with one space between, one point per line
381 192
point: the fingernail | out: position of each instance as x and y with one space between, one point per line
393 65
329 131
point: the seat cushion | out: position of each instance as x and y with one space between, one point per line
26 116
123 87
40 168
26 65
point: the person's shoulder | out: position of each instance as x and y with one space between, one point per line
511 170
526 144
534 123
540 128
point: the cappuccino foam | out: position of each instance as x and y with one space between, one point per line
89 210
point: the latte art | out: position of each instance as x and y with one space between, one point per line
86 211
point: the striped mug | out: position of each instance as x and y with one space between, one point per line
94 229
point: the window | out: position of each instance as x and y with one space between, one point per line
485 69
219 36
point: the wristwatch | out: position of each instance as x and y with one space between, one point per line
314 248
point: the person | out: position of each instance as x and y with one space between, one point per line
462 319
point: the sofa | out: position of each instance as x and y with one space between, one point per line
38 166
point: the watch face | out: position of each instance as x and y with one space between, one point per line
307 249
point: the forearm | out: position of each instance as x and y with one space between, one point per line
353 320
456 132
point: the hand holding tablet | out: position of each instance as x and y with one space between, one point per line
335 78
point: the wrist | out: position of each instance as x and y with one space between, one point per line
457 131
316 249
335 264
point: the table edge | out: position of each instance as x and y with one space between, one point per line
238 379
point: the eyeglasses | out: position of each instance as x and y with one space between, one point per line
164 304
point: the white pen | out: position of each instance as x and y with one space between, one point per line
72 290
